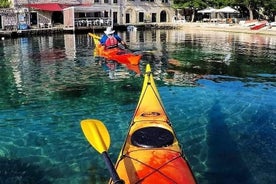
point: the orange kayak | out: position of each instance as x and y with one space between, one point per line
151 152
120 55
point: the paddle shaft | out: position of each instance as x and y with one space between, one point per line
111 169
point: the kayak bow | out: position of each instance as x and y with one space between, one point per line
123 56
151 152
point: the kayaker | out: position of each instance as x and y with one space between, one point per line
110 39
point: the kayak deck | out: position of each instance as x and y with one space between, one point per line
151 152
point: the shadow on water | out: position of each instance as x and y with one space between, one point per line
260 136
225 164
15 171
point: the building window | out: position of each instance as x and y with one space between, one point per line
163 16
96 1
115 1
115 15
153 17
141 16
141 36
165 1
127 18
105 13
106 1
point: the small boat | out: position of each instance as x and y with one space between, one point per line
151 152
248 23
259 25
123 56
272 24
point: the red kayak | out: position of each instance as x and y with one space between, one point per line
122 56
259 25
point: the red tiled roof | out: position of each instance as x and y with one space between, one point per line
48 6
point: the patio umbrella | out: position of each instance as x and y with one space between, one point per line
227 10
208 10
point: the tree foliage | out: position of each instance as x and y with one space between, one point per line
5 3
255 8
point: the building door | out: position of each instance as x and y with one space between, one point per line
57 17
33 18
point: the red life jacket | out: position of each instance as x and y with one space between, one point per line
111 42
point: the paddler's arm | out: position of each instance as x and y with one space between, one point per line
123 43
119 39
103 39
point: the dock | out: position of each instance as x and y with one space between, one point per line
61 30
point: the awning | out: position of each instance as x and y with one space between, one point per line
48 6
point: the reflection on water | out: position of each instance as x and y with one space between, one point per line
218 88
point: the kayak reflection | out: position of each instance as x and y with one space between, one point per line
116 70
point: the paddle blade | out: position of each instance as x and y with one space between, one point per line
96 133
95 38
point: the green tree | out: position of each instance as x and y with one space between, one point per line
192 4
254 8
258 8
251 5
5 3
270 9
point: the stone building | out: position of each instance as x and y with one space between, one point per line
72 14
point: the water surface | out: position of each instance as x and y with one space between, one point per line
218 89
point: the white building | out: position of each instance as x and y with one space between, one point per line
72 14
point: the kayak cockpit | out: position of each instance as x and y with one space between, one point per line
152 137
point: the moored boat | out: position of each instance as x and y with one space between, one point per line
272 24
123 56
259 25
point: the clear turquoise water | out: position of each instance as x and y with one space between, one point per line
218 89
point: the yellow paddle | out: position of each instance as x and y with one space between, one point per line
95 38
97 135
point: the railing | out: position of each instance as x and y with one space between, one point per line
9 22
92 21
